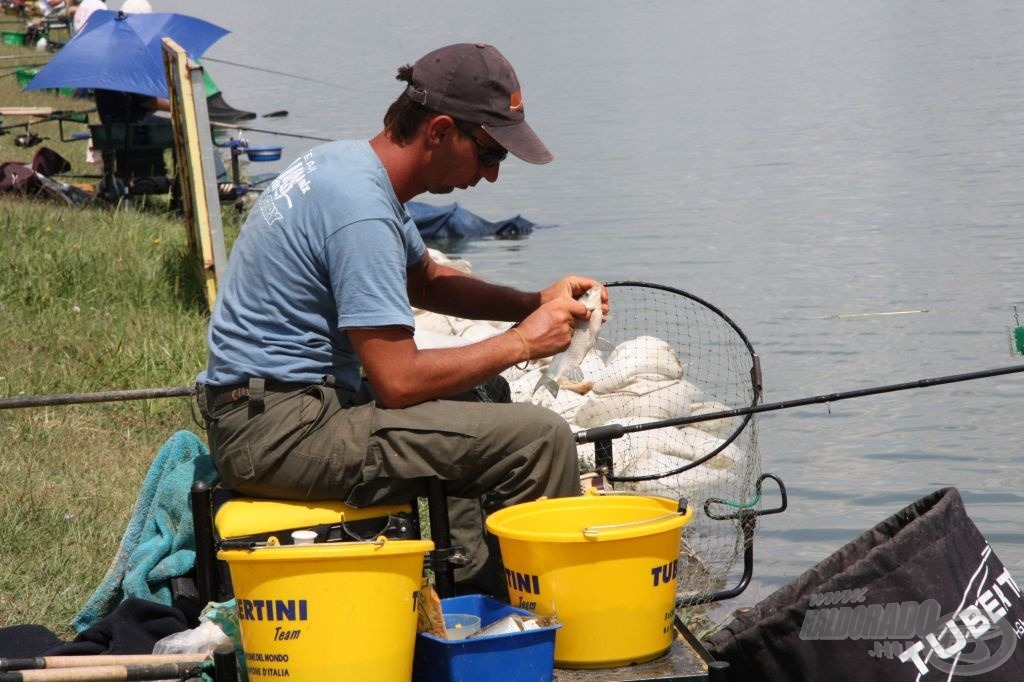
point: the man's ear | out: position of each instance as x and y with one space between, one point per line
438 127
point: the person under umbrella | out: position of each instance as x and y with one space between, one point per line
81 10
120 57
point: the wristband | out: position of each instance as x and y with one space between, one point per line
526 345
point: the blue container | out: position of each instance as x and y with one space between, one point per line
263 153
528 655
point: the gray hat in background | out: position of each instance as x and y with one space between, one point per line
473 82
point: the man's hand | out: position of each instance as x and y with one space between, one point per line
548 330
573 286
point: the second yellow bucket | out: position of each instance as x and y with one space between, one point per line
332 611
604 564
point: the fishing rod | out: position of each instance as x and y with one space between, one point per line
612 431
98 397
71 116
232 126
108 673
592 435
57 662
276 73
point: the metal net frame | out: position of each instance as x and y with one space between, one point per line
667 355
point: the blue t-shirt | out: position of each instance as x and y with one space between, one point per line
326 247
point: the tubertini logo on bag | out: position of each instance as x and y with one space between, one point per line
916 633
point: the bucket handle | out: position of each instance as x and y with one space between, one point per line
594 531
634 493
272 541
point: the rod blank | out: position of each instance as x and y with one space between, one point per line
612 431
98 397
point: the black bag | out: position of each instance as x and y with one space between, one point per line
919 597
49 162
18 178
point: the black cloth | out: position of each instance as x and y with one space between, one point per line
925 571
133 627
121 107
26 641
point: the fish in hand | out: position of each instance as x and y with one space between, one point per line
584 338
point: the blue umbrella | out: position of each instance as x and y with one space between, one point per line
122 52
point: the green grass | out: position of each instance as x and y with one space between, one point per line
91 299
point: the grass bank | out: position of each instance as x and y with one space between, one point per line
91 299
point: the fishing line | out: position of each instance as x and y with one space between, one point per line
276 73
879 313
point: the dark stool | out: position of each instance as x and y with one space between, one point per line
133 157
224 520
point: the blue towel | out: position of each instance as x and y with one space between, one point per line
159 543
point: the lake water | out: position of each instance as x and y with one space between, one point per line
795 163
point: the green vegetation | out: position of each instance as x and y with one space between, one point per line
91 299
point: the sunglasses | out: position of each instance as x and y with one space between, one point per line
486 155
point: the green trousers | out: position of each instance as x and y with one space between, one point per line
319 442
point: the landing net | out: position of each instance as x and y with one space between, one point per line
669 355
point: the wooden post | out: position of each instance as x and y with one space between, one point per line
198 180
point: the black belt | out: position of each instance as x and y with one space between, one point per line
225 395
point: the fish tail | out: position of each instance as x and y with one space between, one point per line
548 383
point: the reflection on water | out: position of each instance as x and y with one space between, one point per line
792 163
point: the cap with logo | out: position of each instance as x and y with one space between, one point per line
473 82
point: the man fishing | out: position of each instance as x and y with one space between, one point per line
315 387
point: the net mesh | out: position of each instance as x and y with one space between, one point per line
665 355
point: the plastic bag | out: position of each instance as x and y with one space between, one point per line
204 639
217 631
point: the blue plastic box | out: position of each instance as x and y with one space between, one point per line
528 655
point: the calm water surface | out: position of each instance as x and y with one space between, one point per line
793 163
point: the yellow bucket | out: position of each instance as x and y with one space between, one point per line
329 611
605 565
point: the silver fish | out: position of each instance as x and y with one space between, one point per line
584 337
